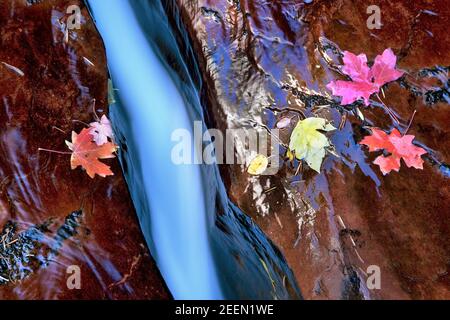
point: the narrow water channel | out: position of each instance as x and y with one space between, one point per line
204 246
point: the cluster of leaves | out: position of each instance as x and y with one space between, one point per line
364 82
91 145
308 141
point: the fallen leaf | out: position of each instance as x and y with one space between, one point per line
101 130
258 165
365 81
283 123
289 155
309 143
383 69
356 66
399 147
86 153
351 91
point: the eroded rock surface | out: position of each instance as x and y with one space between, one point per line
264 60
53 217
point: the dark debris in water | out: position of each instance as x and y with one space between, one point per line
207 12
445 169
351 286
310 100
68 229
31 2
435 96
23 252
438 91
434 72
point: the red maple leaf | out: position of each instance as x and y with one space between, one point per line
350 91
86 153
399 147
356 66
383 69
365 80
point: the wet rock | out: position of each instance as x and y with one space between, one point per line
49 77
262 61
23 252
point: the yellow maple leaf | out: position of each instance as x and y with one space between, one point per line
308 143
258 165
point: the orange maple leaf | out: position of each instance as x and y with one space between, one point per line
398 146
86 153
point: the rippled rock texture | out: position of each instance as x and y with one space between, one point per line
263 60
52 217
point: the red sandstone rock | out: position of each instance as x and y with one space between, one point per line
261 57
62 74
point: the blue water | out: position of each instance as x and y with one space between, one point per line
204 246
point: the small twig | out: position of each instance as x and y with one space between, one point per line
12 242
321 107
298 168
343 120
286 109
299 237
15 69
270 190
4 279
89 62
129 274
278 220
60 130
66 35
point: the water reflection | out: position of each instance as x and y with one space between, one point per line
205 247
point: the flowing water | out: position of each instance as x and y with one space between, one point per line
204 246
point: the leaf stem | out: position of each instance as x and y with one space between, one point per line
95 112
54 151
410 122
81 122
388 110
